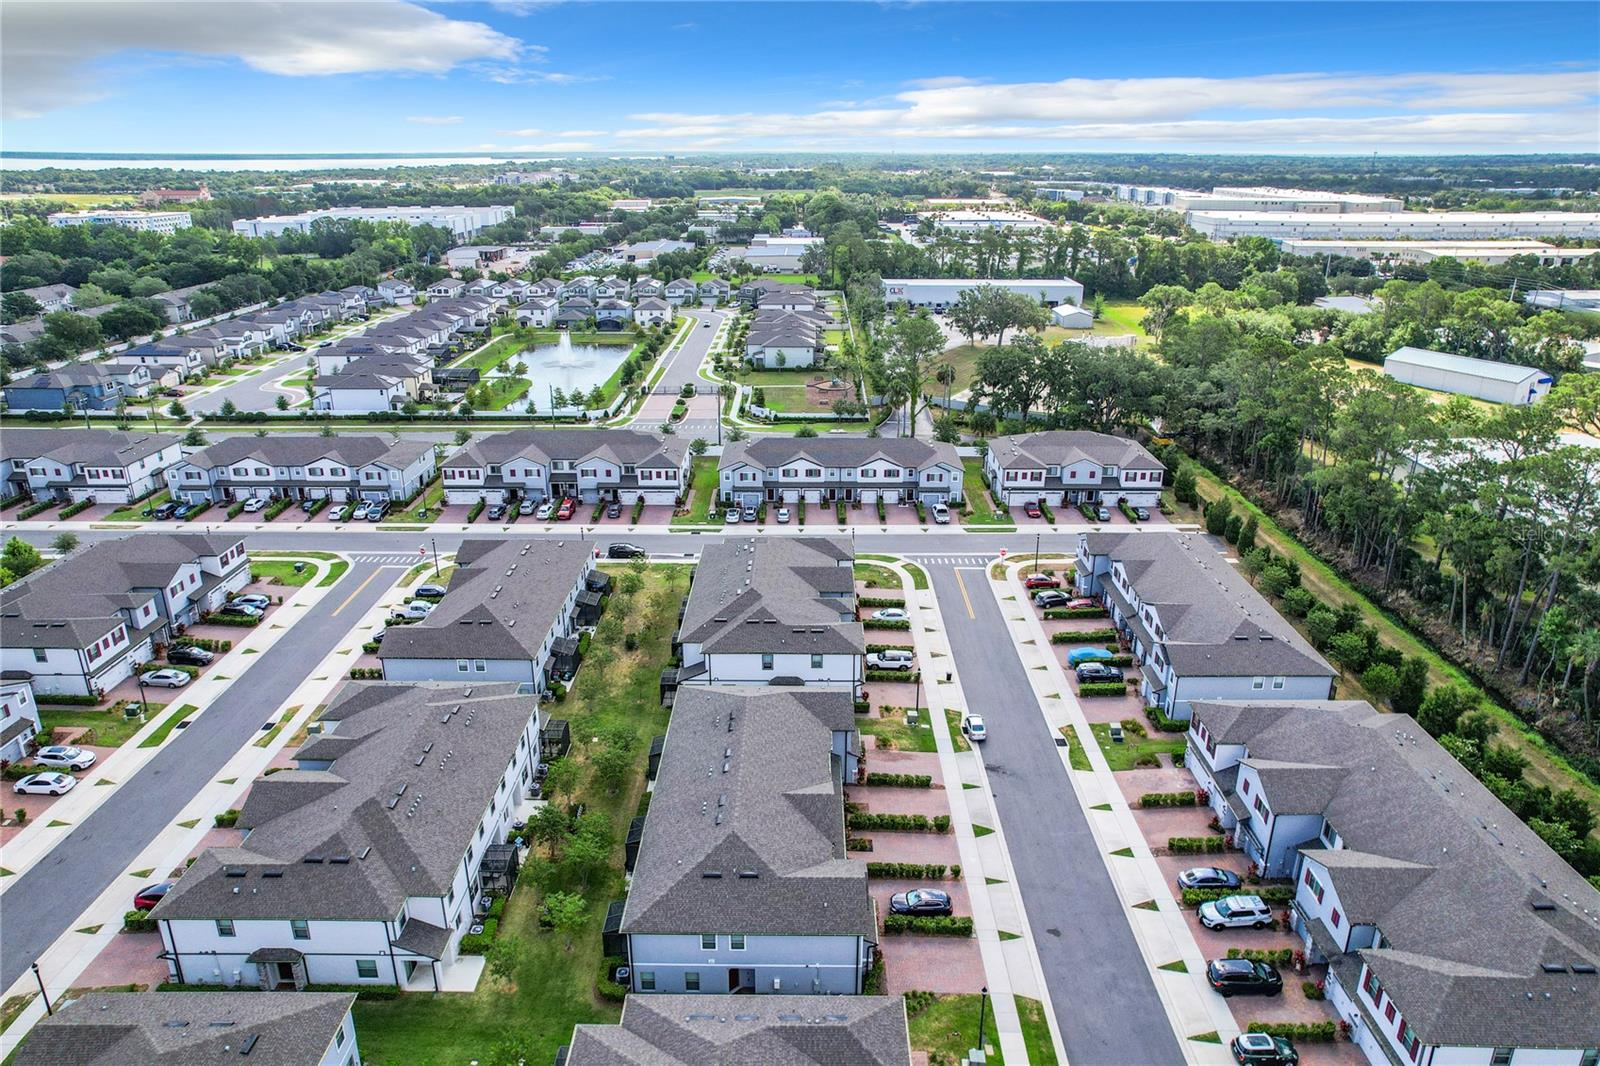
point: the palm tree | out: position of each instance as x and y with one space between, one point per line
946 376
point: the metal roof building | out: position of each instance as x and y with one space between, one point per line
1462 375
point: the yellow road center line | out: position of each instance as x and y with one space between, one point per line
356 593
964 597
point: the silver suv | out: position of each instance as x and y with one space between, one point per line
1236 912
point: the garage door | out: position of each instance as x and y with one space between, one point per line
791 495
891 495
869 495
813 495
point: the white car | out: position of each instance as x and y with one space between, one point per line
783 516
973 729
416 609
546 511
44 785
890 614
254 504
731 516
165 678
941 514
251 599
525 507
892 659
1236 912
64 757
361 510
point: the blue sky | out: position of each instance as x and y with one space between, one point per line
550 78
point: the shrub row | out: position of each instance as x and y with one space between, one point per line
370 992
1313 990
901 780
1193 897
911 871
208 643
276 508
1196 845
894 675
236 510
913 823
863 706
35 508
880 601
604 986
1103 688
929 926
1270 956
1168 799
138 922
228 618
1159 719
857 844
76 508
886 623
1055 614
371 647
366 673
67 699
477 509
480 943
1301 1032
1086 636
199 509
228 818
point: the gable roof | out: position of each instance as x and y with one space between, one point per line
354 450
772 452
774 594
624 447
1063 447
91 447
1461 364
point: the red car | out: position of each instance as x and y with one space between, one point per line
1079 603
1041 581
1031 509
150 895
568 506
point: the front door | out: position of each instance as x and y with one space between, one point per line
285 974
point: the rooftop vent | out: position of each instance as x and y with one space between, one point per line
233 871
315 859
711 875
249 1043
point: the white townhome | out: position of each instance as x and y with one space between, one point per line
742 883
109 466
363 864
303 467
1452 933
773 611
588 464
1069 466
1196 628
791 469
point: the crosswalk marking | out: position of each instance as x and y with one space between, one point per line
384 557
954 560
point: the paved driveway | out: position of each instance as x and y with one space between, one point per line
1106 1005
50 895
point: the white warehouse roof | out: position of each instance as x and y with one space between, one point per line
1462 364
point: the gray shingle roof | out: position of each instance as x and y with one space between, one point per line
66 377
91 447
1063 447
777 812
773 452
355 450
625 447
1214 623
504 597
187 1029
774 594
689 1030
414 848
1450 875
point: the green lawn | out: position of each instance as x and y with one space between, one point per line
1122 756
702 494
281 571
502 392
1121 317
1036 1032
877 577
134 512
794 400
552 988
330 574
893 731
977 493
110 728
964 357
947 1026
748 375
431 499
168 723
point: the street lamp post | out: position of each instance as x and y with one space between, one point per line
435 545
38 977
1036 554
983 1006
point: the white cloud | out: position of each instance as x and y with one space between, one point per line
1314 110
434 120
51 50
573 134
531 131
549 146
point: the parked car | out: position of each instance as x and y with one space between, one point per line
251 599
164 512
1079 656
185 510
732 516
525 507
1143 513
546 510
1050 598
51 784
568 507
416 610
243 608
254 504
1207 877
748 514
1260 1049
891 614
361 510
1241 977
921 901
64 757
972 727
496 511
1031 509
308 506
1103 514
1236 912
625 551
376 510
148 896
941 514
1080 603
614 509
188 655
783 516
430 592
165 678
892 659
1041 581
1098 672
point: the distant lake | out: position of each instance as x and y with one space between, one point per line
566 366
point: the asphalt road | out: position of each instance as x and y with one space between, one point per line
1106 1005
684 369
49 897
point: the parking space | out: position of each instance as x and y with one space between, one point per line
38 806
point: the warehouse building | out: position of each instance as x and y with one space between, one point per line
1565 299
1464 376
1398 225
461 221
1491 253
942 293
139 221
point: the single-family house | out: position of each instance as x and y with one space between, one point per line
74 387
108 466
611 287
784 339
52 297
446 288
787 470
647 286
186 360
351 466
135 381
538 312
714 291
176 302
652 311
1070 466
587 464
396 291
19 719
583 285
612 314
680 291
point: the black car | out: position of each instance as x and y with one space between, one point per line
614 509
164 512
1208 877
1051 598
1260 1049
188 655
920 901
185 510
625 551
496 512
1098 672
1241 977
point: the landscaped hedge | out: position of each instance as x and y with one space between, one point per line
1168 799
894 675
839 508
927 925
909 871
366 673
1313 990
1300 1032
371 647
67 699
477 509
76 508
886 623
1193 897
138 922
911 823
1086 636
479 943
1103 688
1056 614
1127 511
857 844
228 818
228 618
1196 845
276 508
863 706
1159 719
604 986
638 511
880 601
200 509
901 780
236 510
1270 956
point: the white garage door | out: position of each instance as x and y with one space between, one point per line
869 495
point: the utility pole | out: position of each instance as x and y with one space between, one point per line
36 976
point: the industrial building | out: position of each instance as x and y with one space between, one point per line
1397 225
461 221
140 221
1565 299
978 221
1465 376
941 293
1258 198
1491 253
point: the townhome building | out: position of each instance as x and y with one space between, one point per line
373 383
395 291
780 1030
108 466
445 288
714 291
52 297
509 603
74 387
136 382
83 623
237 337
1451 931
679 291
1196 628
590 465
364 863
785 339
184 1028
169 355
790 469
19 719
1071 466
365 296
303 467
773 611
779 295
742 882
